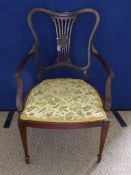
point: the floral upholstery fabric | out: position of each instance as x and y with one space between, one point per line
63 100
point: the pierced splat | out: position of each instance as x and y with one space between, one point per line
63 27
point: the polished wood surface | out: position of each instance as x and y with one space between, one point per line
62 60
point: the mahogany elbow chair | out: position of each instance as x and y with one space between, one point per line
63 102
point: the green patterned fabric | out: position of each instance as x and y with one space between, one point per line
63 100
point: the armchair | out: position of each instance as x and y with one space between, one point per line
63 102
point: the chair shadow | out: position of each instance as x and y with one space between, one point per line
91 169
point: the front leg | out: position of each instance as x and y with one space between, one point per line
104 131
23 134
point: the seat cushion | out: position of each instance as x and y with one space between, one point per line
63 100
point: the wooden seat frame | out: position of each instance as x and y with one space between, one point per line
63 24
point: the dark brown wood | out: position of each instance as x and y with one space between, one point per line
23 133
19 103
63 32
58 125
63 23
23 124
104 131
110 75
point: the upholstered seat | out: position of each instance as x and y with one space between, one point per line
63 100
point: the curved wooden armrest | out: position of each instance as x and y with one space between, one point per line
19 81
110 75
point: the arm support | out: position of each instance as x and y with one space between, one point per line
110 75
19 81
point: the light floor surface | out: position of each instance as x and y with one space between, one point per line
66 152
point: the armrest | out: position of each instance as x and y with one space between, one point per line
19 81
110 75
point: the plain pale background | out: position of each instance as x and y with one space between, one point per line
112 40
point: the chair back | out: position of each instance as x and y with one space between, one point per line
64 22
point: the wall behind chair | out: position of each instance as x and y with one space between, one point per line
112 40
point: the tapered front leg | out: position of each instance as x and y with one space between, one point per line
23 134
104 131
